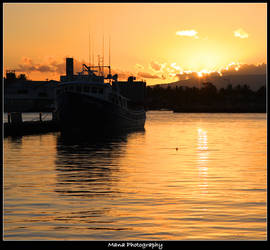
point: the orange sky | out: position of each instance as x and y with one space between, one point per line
154 41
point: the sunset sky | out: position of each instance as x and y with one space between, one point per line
153 41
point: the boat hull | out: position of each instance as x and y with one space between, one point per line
82 113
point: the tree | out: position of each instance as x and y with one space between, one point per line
22 77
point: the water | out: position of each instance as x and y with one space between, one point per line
186 177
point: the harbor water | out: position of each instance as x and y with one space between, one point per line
185 177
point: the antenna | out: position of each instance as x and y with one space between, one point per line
99 68
93 56
89 50
109 50
103 56
110 54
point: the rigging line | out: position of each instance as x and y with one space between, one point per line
93 55
89 44
109 50
89 49
103 55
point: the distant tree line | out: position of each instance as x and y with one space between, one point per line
11 77
206 99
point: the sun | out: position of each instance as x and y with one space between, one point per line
206 56
205 61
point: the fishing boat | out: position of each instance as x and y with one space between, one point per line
93 101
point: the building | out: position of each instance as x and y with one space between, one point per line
22 95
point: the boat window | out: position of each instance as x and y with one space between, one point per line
94 90
22 91
42 94
110 97
86 89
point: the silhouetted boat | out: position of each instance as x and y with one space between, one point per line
92 102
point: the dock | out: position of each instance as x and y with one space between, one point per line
16 127
30 127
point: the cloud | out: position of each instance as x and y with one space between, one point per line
246 69
27 65
188 33
148 75
60 67
44 68
139 66
54 67
155 66
122 75
187 76
48 65
26 60
164 70
241 33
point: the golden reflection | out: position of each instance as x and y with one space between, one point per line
202 160
212 188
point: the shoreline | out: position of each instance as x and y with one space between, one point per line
209 110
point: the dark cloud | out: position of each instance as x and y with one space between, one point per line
55 66
44 68
29 66
155 66
243 69
60 67
246 69
122 75
25 68
186 76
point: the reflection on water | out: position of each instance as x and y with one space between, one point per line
88 166
87 169
202 160
186 177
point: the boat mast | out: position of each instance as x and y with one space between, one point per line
93 56
103 56
109 54
89 50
